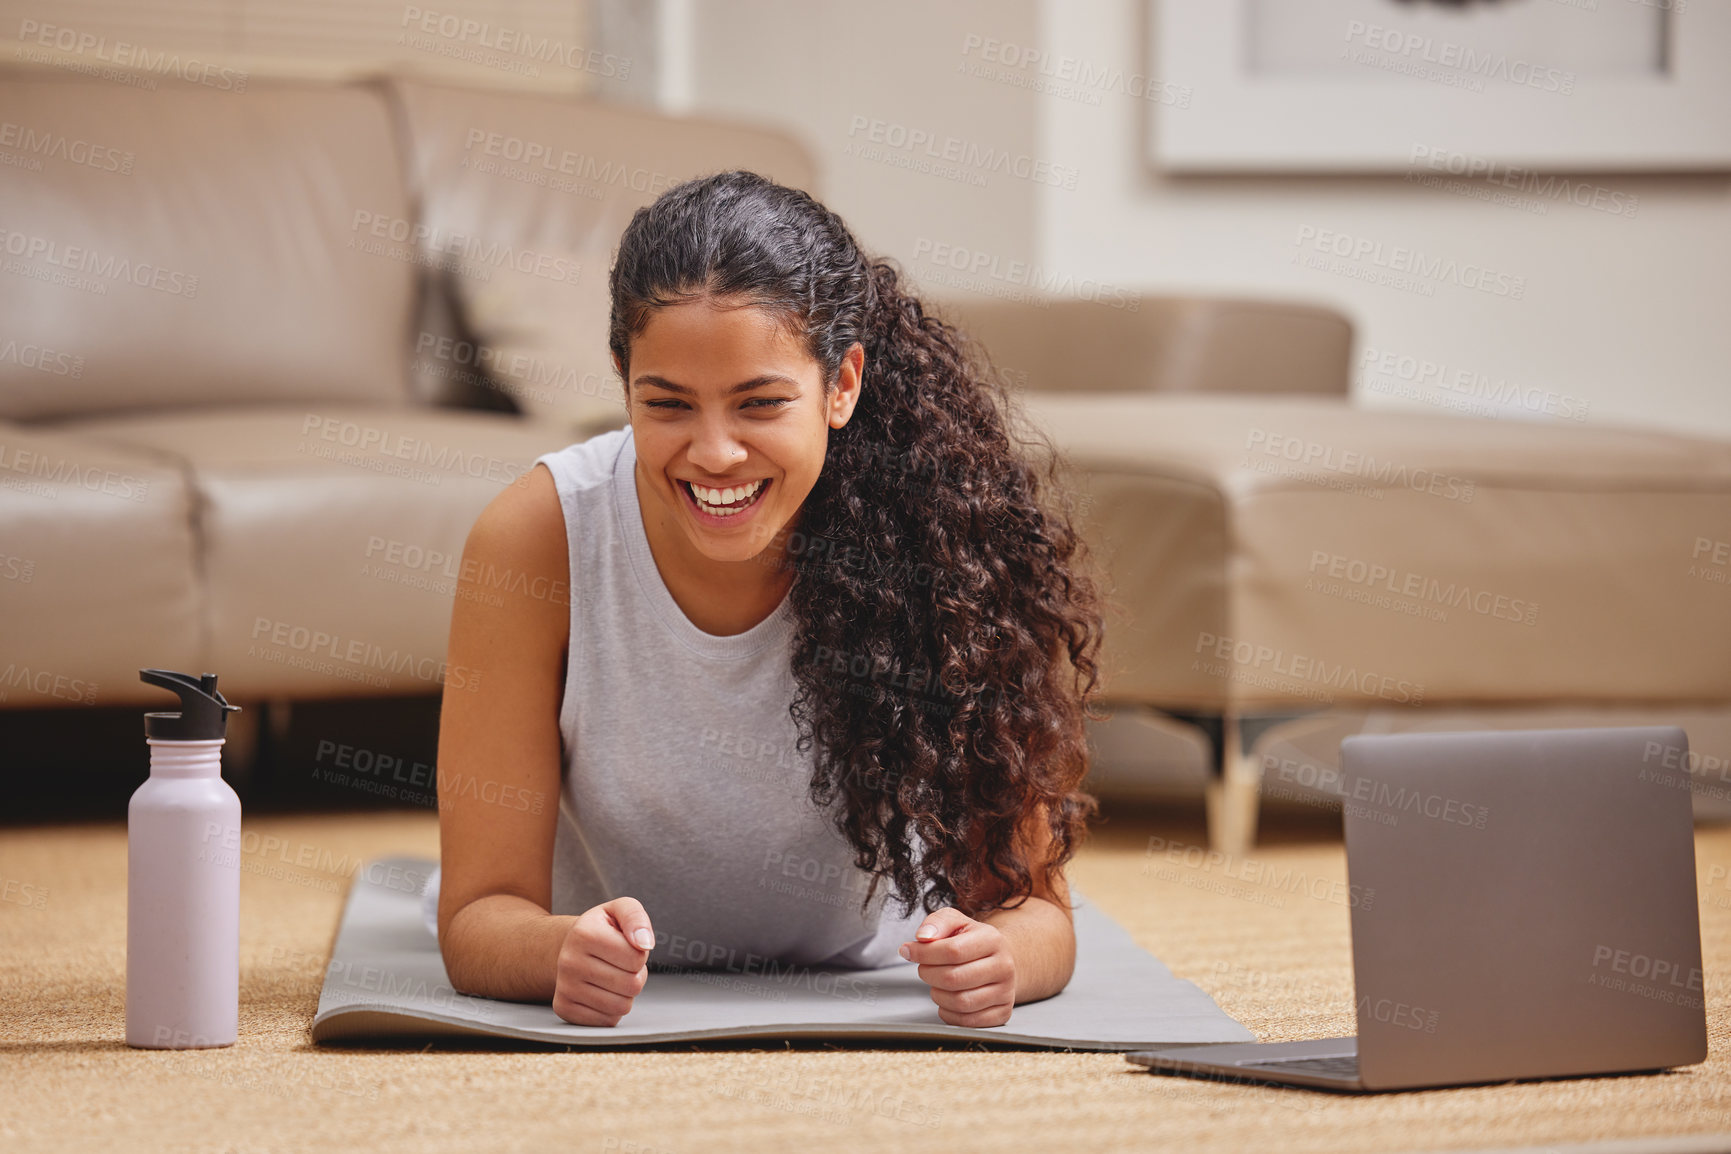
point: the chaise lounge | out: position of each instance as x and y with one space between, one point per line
1293 566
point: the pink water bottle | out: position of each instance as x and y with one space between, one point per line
183 878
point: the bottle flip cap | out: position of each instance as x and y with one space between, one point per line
203 712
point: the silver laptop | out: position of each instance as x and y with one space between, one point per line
1531 913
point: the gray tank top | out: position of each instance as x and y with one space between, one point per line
681 785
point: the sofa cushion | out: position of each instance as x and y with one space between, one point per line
524 199
1139 344
193 246
333 535
97 572
1301 553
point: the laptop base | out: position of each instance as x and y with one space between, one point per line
1324 1064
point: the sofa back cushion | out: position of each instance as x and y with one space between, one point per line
523 200
1120 343
189 246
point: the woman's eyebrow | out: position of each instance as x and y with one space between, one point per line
741 387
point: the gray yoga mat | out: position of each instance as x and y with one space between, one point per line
386 979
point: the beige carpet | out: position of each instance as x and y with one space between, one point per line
1276 960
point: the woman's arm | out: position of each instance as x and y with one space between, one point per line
1042 938
978 970
499 752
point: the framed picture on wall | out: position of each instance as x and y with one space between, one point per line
1364 85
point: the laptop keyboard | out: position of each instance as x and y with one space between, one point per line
1343 1067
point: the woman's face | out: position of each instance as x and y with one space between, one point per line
727 399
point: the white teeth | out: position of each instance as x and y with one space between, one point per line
713 500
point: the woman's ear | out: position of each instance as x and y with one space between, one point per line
849 378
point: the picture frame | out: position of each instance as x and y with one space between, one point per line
1401 89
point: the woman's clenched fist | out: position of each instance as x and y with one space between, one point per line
603 963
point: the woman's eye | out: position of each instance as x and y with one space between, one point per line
770 402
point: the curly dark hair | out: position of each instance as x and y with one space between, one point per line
947 631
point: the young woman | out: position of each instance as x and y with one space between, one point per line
825 641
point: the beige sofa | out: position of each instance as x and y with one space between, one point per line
247 342
1289 567
248 348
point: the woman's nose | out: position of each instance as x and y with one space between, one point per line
716 451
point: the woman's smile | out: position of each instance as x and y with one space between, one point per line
723 505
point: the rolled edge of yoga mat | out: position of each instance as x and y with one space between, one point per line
386 979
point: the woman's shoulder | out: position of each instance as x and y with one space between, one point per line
586 464
522 528
526 523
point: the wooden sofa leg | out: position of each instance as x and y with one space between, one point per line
1234 792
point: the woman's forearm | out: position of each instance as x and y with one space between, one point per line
507 947
1043 944
503 946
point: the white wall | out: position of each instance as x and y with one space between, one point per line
819 67
224 43
1631 315
1625 319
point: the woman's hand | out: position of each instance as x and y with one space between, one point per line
603 963
968 966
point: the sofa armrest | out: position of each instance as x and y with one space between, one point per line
1163 344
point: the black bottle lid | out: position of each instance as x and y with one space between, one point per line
203 711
